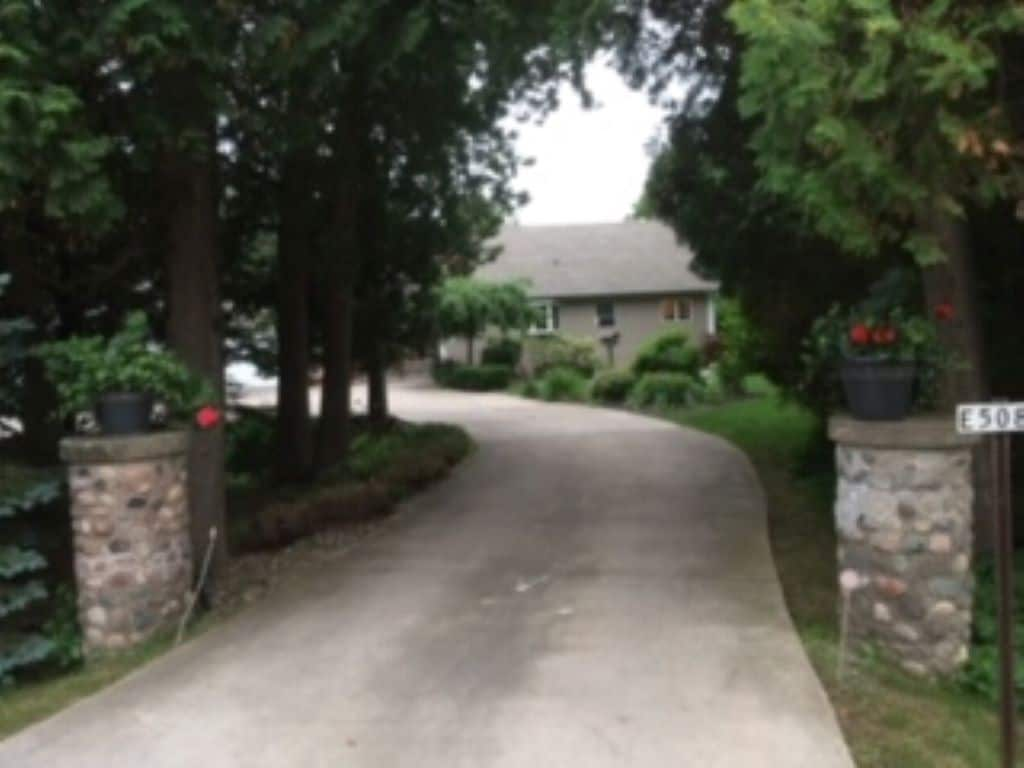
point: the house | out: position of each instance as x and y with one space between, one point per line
618 284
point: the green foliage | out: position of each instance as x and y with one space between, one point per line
463 307
562 384
981 674
877 117
21 587
473 378
83 368
510 307
612 386
249 443
668 352
466 306
505 352
556 351
741 348
372 451
62 629
665 390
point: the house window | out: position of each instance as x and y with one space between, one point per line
605 314
547 322
675 310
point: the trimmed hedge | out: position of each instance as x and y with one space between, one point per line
554 351
502 352
564 384
668 352
665 390
473 378
612 386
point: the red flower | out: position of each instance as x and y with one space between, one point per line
208 417
944 311
860 335
884 336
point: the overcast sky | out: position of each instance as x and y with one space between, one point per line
590 164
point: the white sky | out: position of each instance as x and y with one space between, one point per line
590 164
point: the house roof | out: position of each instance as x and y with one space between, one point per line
631 257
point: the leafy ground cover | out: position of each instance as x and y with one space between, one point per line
890 720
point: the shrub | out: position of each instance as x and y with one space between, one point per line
668 352
21 586
612 386
249 444
564 384
473 378
741 346
554 351
665 390
502 352
530 388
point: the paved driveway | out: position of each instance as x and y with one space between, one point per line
589 589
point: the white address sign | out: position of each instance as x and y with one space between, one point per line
989 418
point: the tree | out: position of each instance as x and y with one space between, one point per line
464 309
704 183
882 123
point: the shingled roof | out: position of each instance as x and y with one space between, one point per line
563 261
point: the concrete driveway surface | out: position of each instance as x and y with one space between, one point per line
589 589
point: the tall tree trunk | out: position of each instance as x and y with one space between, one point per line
377 380
335 403
954 282
294 434
194 329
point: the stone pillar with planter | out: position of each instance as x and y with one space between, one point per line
130 519
904 524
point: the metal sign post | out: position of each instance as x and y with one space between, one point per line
999 421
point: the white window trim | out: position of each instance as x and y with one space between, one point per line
597 314
548 307
677 301
712 315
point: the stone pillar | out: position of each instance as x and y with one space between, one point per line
129 512
904 524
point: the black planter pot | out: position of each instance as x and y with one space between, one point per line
878 390
124 413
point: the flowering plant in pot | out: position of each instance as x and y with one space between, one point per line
888 359
120 378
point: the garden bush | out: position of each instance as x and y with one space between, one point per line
473 378
249 444
741 346
564 384
505 352
668 352
612 386
665 390
554 351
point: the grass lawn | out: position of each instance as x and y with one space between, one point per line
890 720
34 701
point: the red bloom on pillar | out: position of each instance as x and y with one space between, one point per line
944 311
208 417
